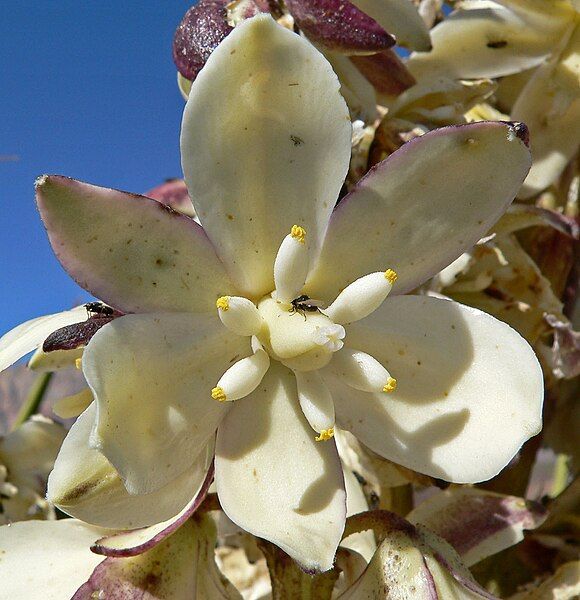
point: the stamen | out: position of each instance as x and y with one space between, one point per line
390 386
315 400
291 266
218 394
239 315
223 303
243 377
361 371
391 276
362 297
298 233
325 435
79 363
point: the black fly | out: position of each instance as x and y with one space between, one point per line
304 304
100 309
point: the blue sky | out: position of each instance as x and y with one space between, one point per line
87 89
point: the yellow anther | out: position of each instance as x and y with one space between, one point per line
390 386
79 363
325 435
298 233
218 394
223 303
391 276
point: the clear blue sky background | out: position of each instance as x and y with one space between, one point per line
87 89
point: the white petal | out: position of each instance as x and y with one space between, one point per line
242 378
85 485
46 559
72 406
361 297
152 377
28 336
550 106
315 400
411 212
491 41
364 542
239 315
361 371
400 18
291 265
274 480
274 155
469 392
46 362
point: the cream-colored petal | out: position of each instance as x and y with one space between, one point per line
422 207
274 480
399 17
29 335
133 253
46 559
152 377
356 502
273 155
72 406
55 360
86 486
469 392
489 40
550 106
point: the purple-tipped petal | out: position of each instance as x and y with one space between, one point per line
410 562
132 543
202 28
340 26
478 523
386 72
74 336
173 192
423 206
183 566
134 253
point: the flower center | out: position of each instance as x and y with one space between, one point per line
289 327
294 335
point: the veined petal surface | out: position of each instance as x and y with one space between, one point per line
85 485
152 377
400 18
265 145
478 523
274 480
489 41
132 252
46 559
469 389
422 207
26 337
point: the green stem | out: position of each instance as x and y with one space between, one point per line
33 400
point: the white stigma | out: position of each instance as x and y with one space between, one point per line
291 266
361 297
330 337
239 315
